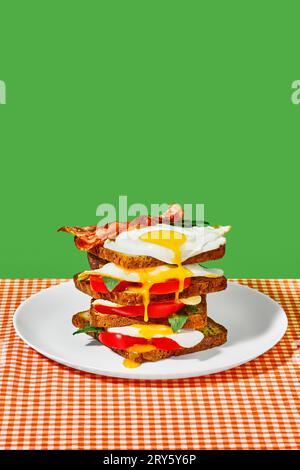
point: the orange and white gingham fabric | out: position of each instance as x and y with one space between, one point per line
44 405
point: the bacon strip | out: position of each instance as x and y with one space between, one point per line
88 237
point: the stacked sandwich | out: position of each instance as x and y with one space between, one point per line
148 286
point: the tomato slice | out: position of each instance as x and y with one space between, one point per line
155 309
97 284
168 287
165 343
118 341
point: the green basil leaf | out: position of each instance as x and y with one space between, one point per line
110 282
177 321
88 329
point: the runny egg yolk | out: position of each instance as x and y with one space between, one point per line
150 276
172 240
168 239
130 364
136 349
148 331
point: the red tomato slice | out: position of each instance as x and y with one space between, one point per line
165 343
98 285
168 287
155 309
118 341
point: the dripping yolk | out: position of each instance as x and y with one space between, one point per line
150 276
172 240
130 364
136 349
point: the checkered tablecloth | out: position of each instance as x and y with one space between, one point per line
44 405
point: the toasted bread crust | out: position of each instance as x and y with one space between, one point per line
195 321
95 262
207 342
81 319
137 262
198 286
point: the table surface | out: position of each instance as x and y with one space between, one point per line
44 405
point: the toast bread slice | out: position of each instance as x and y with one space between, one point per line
138 262
95 262
198 286
214 335
195 320
82 319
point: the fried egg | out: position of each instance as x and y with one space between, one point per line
168 243
195 300
155 275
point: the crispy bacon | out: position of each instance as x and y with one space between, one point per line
88 237
174 213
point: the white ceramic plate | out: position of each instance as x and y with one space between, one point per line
255 324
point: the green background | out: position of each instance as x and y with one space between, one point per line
160 100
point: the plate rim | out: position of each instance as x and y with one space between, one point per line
137 375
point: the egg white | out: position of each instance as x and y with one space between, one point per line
198 240
195 300
116 272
